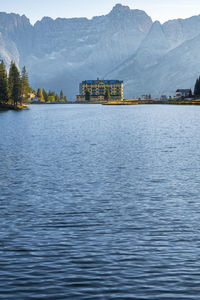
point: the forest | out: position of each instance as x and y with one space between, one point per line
15 90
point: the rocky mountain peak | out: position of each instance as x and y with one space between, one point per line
119 8
60 53
11 21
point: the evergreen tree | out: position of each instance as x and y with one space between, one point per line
107 94
61 95
40 95
45 95
197 87
51 96
190 94
32 91
87 95
14 82
51 99
24 85
57 97
4 92
50 93
10 80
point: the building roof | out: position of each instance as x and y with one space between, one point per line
98 81
183 91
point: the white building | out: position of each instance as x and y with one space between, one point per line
183 93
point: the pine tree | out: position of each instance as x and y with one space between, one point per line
4 92
51 99
197 87
61 95
45 95
57 97
50 93
24 85
14 82
40 95
87 95
107 94
51 96
11 80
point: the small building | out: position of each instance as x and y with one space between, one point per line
183 93
31 96
96 89
163 98
146 97
35 99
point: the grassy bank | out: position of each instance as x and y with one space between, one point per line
153 102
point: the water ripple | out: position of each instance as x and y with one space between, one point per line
100 203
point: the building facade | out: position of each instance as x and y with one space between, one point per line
183 93
95 90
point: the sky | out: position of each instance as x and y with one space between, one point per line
161 10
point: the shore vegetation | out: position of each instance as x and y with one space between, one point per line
15 90
14 87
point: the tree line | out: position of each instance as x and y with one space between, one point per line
49 96
14 87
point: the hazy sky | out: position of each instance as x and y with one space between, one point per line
161 10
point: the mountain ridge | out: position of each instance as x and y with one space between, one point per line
123 44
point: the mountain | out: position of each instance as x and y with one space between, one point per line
60 53
167 59
124 44
16 35
67 51
179 68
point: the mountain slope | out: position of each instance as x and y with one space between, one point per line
60 53
157 66
179 68
124 44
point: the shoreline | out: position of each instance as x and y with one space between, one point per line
146 102
7 107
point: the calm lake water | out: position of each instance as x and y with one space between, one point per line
100 202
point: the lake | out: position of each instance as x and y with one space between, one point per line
100 202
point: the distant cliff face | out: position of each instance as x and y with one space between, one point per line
67 51
16 34
167 59
125 44
59 54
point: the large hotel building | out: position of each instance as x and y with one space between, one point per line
97 90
